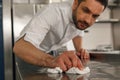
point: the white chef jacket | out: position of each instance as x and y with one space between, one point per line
51 27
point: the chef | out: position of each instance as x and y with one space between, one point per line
51 28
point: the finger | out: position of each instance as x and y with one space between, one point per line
73 57
87 60
84 61
68 63
74 61
86 55
82 53
60 63
78 54
63 66
66 60
79 64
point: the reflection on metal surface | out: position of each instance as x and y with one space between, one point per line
57 77
18 74
103 67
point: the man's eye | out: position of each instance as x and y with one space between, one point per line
95 16
86 10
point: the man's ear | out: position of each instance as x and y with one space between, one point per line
75 4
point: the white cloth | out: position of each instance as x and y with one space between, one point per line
78 71
69 76
51 27
72 70
55 70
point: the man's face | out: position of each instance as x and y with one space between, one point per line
86 13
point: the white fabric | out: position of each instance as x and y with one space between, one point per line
78 71
69 76
55 70
72 70
51 27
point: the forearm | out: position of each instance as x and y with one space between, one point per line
77 41
78 46
31 54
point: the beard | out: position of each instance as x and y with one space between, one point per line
74 17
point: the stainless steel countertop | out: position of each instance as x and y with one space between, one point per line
103 67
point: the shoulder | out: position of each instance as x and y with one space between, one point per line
59 7
55 9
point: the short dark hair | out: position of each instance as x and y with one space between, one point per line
103 2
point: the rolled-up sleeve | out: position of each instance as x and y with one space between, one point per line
80 33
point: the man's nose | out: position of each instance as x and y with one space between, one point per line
88 19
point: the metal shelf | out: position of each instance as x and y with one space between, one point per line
108 21
113 5
105 52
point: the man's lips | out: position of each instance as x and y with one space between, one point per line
81 26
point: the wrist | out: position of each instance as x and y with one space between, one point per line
46 61
50 62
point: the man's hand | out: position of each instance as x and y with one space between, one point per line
83 53
67 60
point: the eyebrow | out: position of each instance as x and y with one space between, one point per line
84 7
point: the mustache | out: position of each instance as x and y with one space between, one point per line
84 23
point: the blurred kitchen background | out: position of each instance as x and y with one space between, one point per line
103 36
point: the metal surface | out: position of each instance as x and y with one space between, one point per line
1 45
116 28
7 33
108 21
40 1
20 1
102 66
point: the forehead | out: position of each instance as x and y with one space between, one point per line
94 6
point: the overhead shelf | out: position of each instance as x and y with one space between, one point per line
112 5
108 21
